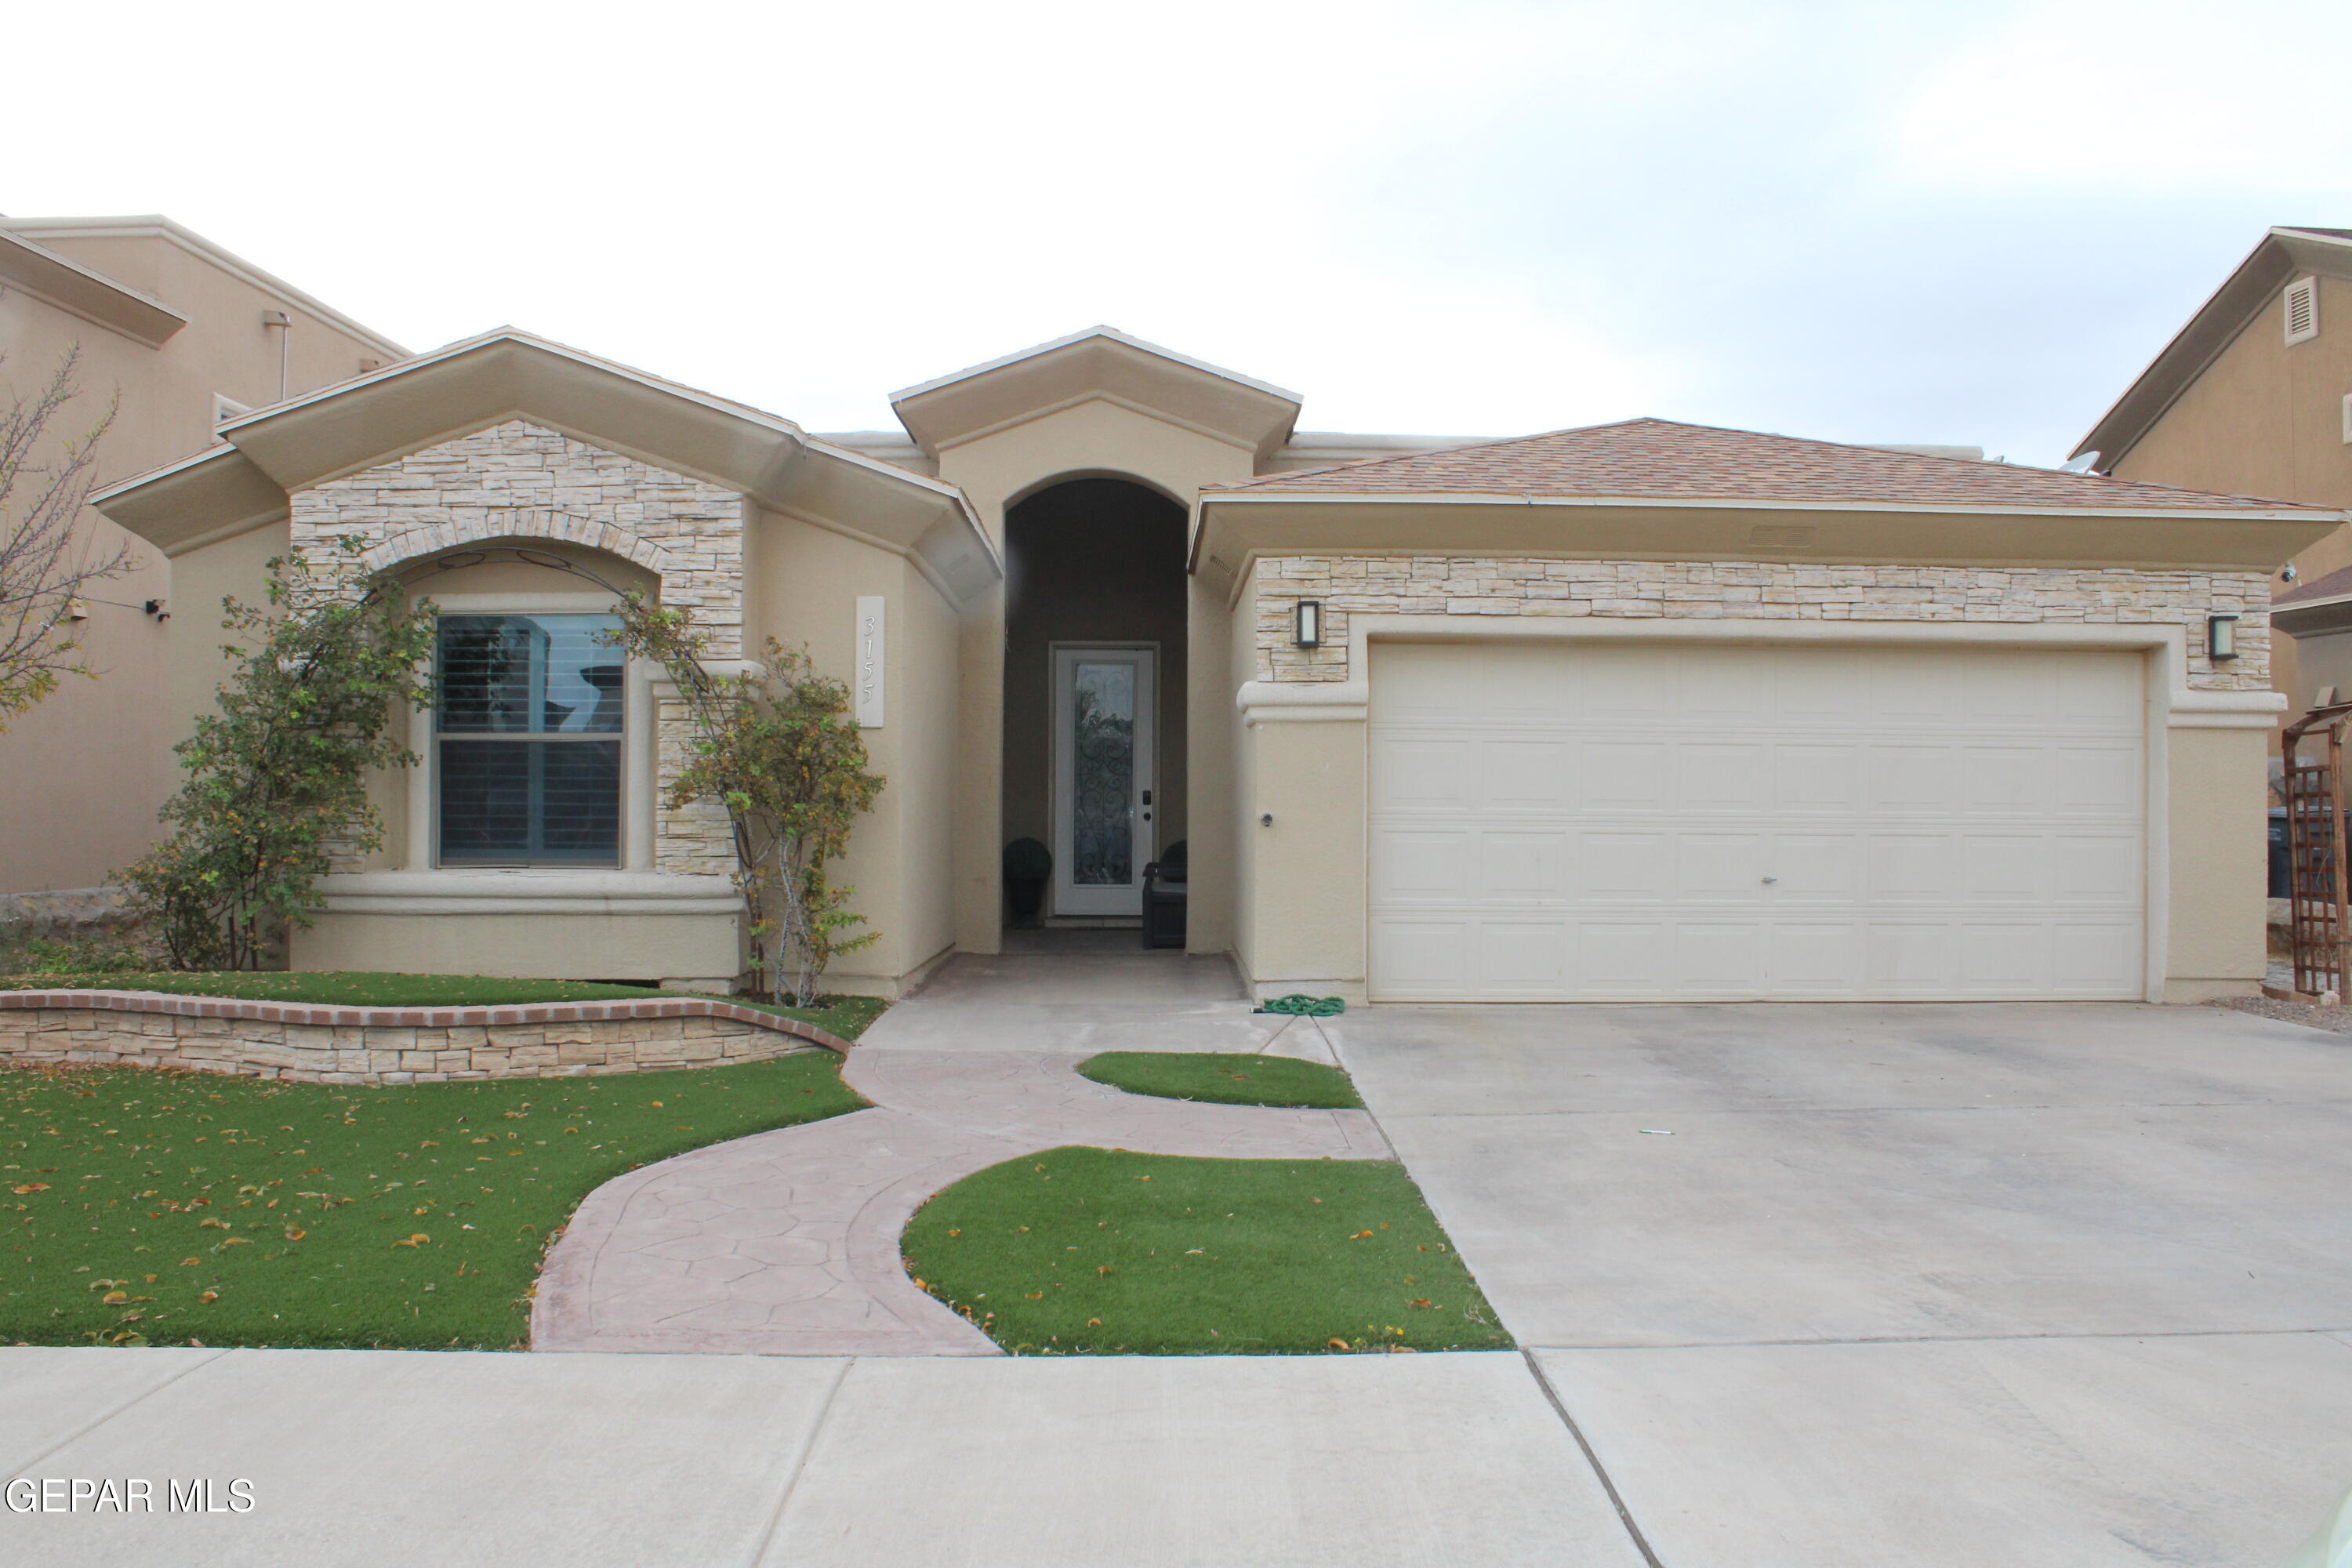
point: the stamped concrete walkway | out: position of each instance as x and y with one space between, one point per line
787 1242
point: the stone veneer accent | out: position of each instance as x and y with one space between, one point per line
1749 590
312 1044
518 481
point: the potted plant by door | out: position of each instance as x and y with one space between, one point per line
1028 865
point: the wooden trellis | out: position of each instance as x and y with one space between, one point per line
2319 899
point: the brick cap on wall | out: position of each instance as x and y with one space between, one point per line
317 1015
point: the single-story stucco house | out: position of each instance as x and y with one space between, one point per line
1640 711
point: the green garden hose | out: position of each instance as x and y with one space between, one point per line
1300 1006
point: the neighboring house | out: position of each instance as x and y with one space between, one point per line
2254 396
183 334
1641 711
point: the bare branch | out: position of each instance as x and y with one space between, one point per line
46 561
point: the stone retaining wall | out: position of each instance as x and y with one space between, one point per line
391 1045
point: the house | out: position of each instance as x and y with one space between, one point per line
180 334
2254 396
1641 711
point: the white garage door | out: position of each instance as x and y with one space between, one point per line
1571 823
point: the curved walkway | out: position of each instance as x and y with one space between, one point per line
787 1242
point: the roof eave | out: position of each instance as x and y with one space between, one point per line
2215 325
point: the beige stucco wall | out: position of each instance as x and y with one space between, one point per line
804 592
2266 419
635 947
83 773
1301 906
1095 438
2217 843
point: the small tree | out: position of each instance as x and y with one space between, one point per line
775 745
45 564
277 776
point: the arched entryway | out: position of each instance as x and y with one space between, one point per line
1095 689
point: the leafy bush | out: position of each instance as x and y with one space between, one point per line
276 776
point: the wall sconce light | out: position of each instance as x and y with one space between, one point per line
2220 636
1306 624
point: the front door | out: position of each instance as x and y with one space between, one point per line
1104 722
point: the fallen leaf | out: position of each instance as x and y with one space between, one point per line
1094 1322
31 1187
1336 1345
293 1234
189 1262
1036 1295
208 1298
114 1297
1421 1303
419 1239
1361 1236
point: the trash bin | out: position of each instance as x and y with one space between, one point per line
1163 899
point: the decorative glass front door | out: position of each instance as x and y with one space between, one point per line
1103 721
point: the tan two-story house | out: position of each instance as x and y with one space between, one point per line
1639 711
2254 394
176 334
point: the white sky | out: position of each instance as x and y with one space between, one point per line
1872 220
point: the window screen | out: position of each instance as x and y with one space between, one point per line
527 726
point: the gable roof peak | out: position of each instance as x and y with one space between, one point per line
1098 364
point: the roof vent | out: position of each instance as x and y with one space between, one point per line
2302 310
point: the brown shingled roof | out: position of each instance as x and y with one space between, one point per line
1661 458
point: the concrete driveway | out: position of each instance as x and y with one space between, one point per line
1929 1285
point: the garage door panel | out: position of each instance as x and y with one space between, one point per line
1918 780
1715 867
1817 958
1667 822
2099 780
1523 775
1417 773
1719 958
1817 779
1815 866
1713 777
1611 867
1624 776
1420 865
1523 867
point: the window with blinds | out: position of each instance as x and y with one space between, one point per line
526 732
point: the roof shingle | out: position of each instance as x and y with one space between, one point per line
1663 460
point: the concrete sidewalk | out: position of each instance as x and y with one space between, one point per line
361 1459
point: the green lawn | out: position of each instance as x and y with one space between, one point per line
843 1015
1093 1251
1225 1077
145 1206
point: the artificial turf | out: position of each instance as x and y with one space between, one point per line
140 1206
842 1016
1084 1251
1225 1077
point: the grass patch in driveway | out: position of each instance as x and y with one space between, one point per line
1084 1251
145 1205
844 1015
1225 1077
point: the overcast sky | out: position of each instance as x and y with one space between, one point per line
1872 221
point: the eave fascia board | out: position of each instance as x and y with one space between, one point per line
1745 503
36 270
185 504
155 225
